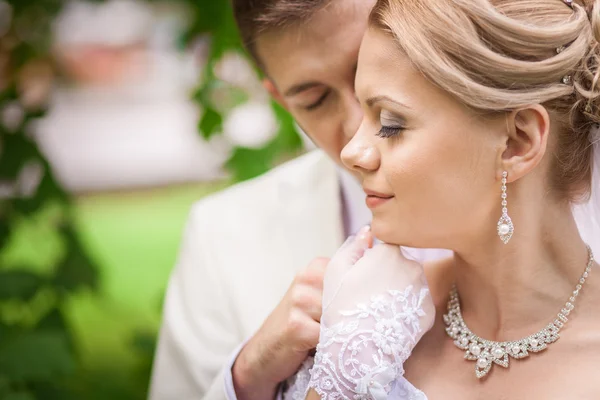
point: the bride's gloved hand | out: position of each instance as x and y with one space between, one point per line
376 307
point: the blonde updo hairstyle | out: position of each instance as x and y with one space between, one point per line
500 55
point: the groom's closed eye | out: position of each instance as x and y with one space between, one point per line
316 104
308 96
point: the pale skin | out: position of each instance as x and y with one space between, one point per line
455 158
311 72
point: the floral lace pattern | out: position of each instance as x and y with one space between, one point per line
297 388
298 384
361 356
403 390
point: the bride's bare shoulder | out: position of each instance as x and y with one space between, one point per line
440 278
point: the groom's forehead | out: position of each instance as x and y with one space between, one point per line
326 44
255 17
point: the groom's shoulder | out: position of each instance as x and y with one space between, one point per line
262 194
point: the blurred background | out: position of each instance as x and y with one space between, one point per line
115 116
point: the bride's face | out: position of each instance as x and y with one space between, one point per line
428 163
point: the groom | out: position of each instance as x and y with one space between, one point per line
244 301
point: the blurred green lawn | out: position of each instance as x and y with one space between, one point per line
134 238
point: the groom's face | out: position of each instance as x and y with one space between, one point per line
311 69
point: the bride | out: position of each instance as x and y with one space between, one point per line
479 135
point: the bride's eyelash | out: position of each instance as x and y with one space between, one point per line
389 131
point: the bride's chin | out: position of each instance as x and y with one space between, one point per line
386 232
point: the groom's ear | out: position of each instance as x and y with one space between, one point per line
526 141
272 89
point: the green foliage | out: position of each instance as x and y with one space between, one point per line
211 122
215 20
38 357
33 356
19 284
247 163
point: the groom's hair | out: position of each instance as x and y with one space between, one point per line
256 17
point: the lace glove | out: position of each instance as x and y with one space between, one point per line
376 307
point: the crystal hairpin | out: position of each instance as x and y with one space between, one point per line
567 79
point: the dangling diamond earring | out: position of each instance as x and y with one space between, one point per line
505 225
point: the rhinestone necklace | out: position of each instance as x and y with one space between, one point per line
486 353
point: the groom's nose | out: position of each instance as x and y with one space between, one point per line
353 114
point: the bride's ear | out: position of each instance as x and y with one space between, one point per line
526 141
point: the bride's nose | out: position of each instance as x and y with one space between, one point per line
360 154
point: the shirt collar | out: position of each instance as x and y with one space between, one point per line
355 212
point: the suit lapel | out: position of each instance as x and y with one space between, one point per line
313 225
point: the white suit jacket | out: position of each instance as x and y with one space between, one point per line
241 249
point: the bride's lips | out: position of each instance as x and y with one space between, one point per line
375 199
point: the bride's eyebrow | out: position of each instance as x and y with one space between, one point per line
376 99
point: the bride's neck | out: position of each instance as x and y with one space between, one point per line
510 291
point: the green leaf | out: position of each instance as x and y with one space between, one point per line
247 163
4 331
210 123
53 321
4 386
28 206
220 96
17 150
144 343
215 18
77 270
53 390
19 284
47 190
49 187
36 356
203 94
237 97
18 396
4 230
56 321
100 382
